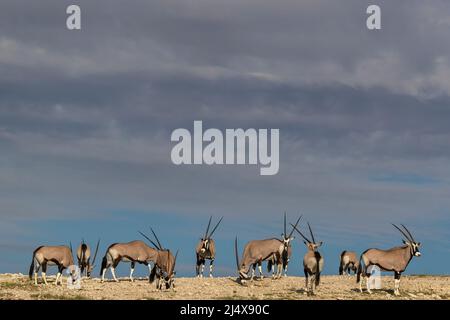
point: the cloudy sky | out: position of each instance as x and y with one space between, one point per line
86 118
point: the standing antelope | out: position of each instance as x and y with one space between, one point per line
348 260
312 262
257 251
60 256
135 252
285 257
164 268
84 257
395 259
206 249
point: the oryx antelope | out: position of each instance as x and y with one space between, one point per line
43 256
206 250
84 258
285 256
395 259
257 251
164 268
348 261
136 251
312 262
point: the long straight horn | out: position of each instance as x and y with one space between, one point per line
96 250
403 233
174 262
236 253
295 228
151 241
406 229
207 228
157 240
310 231
285 224
210 235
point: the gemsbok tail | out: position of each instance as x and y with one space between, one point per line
317 277
341 265
361 268
30 272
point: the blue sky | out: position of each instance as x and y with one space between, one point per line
86 118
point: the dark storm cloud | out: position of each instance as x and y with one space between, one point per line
86 116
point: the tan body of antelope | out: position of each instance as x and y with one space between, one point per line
348 261
206 250
312 262
395 259
43 256
136 251
84 258
257 251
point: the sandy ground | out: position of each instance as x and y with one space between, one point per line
17 286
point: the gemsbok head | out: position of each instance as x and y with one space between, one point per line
163 270
395 259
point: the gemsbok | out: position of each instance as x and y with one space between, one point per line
348 261
84 258
206 250
312 262
395 259
43 256
257 251
136 251
164 268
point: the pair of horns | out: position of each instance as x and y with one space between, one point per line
303 236
407 235
294 226
207 228
157 246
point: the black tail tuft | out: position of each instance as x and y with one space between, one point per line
104 263
30 272
360 269
317 279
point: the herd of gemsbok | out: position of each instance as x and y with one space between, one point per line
275 251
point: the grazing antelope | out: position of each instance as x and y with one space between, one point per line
312 262
60 256
257 251
84 257
164 268
348 261
206 249
135 252
395 259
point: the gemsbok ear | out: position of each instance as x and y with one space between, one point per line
320 243
419 244
305 242
405 242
